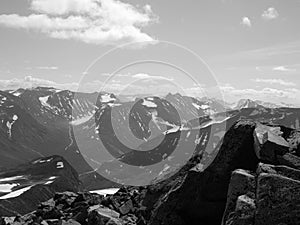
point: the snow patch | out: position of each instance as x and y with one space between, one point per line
81 120
107 98
15 193
49 182
10 124
196 105
17 93
109 191
149 104
59 165
44 100
6 179
6 188
42 161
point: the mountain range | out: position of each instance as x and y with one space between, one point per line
45 133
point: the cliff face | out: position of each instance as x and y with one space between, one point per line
199 197
236 186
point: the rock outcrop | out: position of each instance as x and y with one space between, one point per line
199 197
273 200
68 208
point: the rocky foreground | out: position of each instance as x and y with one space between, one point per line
254 179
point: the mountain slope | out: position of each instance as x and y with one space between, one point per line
22 188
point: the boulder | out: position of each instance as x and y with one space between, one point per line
269 144
278 197
102 216
242 182
126 207
244 211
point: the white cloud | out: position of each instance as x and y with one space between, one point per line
274 81
31 82
62 7
90 21
283 69
147 76
288 95
246 22
270 14
153 86
47 67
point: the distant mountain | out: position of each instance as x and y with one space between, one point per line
29 130
205 135
41 122
273 105
248 103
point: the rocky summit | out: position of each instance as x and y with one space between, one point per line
253 180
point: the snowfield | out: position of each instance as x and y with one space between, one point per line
109 191
15 193
44 100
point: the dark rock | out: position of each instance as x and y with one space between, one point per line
200 197
290 160
278 170
269 144
126 207
81 217
2 221
241 183
103 216
69 222
278 197
244 211
52 214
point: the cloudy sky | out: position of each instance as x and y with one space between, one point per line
253 47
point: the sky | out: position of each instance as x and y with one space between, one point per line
241 48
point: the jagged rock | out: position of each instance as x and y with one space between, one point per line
81 216
2 221
126 207
53 213
241 183
52 222
290 160
103 216
244 211
278 197
269 143
69 222
278 170
130 219
200 197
